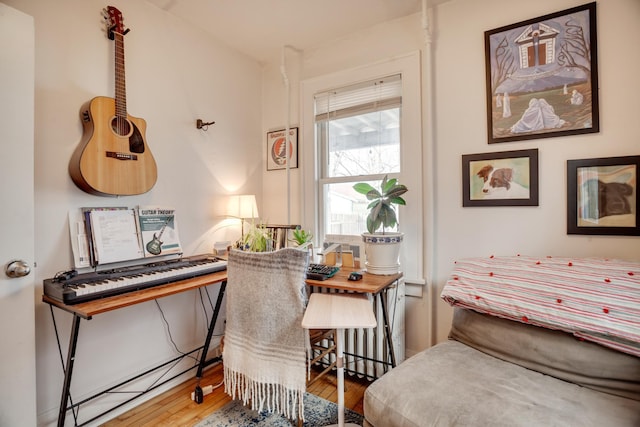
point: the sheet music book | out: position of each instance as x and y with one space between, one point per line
159 231
103 235
115 235
79 239
81 235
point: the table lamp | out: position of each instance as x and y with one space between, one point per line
243 206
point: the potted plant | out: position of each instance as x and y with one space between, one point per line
301 237
303 240
255 239
382 248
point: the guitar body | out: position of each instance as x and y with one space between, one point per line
113 158
154 247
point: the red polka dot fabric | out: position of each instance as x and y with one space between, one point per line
595 299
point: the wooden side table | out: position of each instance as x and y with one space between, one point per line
377 286
339 311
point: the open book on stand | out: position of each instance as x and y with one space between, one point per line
117 234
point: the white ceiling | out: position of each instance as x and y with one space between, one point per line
260 28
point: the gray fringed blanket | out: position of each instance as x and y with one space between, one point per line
265 346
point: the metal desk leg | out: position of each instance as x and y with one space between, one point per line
71 355
203 358
387 329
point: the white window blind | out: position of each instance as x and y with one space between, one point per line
372 95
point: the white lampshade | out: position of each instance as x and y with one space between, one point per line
243 206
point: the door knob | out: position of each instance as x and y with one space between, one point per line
17 268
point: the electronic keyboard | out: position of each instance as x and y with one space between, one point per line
70 288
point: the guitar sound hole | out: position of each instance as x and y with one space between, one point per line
121 126
124 128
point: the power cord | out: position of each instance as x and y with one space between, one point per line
168 328
198 394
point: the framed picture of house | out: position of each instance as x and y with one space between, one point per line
277 149
506 178
542 77
602 196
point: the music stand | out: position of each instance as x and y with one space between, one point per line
339 311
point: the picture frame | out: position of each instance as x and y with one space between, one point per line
602 196
276 155
542 77
505 178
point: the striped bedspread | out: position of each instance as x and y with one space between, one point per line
593 299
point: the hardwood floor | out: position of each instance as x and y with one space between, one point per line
175 408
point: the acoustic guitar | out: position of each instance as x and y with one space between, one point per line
113 158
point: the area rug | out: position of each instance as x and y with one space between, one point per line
317 412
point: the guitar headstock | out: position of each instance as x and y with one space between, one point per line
115 22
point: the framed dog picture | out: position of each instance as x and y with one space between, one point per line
542 76
602 196
506 178
277 149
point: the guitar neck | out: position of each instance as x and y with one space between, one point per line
121 87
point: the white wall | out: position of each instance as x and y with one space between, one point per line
175 74
459 127
460 94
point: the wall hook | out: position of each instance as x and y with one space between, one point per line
203 125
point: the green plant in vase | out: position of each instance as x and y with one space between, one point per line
382 211
382 249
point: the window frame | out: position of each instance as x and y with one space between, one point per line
411 152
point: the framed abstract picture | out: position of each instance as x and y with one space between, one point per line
277 149
602 196
506 178
542 76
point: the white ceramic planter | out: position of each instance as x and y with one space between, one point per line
382 252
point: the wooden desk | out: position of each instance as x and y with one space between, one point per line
374 284
89 309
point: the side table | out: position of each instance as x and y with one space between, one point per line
339 311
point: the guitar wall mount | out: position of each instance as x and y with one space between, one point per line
203 125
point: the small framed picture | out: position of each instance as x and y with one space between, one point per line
542 76
506 178
602 196
277 149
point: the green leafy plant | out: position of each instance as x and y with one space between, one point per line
255 239
382 211
300 236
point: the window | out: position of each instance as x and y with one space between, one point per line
369 130
358 139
